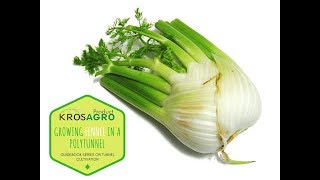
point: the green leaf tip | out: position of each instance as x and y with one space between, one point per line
168 58
127 43
92 58
143 23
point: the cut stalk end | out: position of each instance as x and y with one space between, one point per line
226 159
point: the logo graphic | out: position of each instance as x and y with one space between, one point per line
87 135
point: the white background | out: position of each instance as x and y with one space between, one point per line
248 30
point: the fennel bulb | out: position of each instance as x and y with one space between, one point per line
179 78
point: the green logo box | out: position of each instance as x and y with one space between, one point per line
87 135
